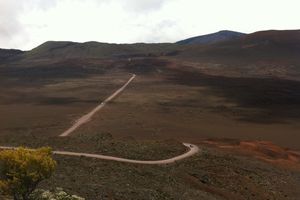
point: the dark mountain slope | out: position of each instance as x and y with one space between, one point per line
9 54
212 38
264 45
265 53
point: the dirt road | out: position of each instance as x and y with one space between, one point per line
84 119
193 149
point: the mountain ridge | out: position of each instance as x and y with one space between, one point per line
261 44
211 38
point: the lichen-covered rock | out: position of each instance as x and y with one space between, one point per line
57 194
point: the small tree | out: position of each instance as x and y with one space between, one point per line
21 170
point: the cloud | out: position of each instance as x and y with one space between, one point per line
142 6
12 30
9 24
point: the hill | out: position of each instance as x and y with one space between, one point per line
212 38
6 54
259 46
70 50
264 41
269 53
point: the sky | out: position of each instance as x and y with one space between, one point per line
25 24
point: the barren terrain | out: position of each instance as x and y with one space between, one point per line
238 101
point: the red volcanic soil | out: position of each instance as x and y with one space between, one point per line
263 150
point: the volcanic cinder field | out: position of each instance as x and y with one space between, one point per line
238 100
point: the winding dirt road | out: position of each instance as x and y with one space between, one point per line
193 149
86 118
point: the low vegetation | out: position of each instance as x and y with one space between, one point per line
23 169
101 143
209 175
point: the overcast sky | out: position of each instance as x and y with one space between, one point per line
24 24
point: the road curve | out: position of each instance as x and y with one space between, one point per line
84 119
193 149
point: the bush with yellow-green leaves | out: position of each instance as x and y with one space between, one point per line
21 170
